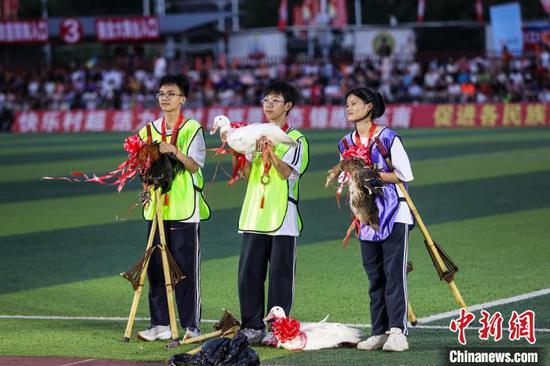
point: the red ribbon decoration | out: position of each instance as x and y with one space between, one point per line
124 172
240 159
267 165
355 224
175 130
239 165
362 152
285 329
173 141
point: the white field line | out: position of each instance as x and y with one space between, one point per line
485 305
421 321
78 362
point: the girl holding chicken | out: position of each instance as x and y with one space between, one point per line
383 248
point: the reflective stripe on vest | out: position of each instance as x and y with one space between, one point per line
270 217
182 202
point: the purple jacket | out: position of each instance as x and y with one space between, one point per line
387 205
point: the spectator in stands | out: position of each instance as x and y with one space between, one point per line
95 85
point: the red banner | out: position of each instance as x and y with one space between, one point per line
24 31
9 9
482 115
123 29
318 117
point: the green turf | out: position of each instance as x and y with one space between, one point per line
483 194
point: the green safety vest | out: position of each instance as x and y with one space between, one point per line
276 193
182 199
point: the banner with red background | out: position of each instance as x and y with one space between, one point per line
318 117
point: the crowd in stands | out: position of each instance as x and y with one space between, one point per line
98 85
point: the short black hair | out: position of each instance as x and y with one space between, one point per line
179 80
369 95
289 92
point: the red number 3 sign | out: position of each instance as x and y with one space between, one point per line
71 30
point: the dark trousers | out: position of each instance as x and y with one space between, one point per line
386 266
182 240
257 251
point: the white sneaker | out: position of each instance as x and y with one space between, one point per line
191 333
270 340
254 336
157 332
397 341
373 342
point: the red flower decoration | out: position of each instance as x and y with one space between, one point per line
238 124
133 144
285 329
124 172
361 152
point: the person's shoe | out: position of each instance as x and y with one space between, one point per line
397 341
270 340
191 332
156 332
254 336
373 342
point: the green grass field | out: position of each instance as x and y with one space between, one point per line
483 194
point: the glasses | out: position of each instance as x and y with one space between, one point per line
266 101
167 95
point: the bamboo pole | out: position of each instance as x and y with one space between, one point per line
137 292
429 241
166 267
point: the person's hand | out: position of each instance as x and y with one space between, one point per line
166 148
376 182
267 146
224 137
260 143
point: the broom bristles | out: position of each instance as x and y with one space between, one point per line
134 273
450 269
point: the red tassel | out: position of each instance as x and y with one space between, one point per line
355 224
166 199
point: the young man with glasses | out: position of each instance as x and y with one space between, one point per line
183 208
270 221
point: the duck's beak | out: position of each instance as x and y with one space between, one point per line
213 129
269 317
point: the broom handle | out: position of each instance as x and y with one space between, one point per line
202 337
411 315
430 242
137 292
166 267
423 228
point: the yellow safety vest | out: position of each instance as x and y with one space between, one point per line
270 218
182 199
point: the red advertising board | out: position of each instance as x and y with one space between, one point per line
318 117
127 29
482 115
24 31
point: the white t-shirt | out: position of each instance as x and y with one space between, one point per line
197 152
403 170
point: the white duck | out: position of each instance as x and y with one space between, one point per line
312 336
243 139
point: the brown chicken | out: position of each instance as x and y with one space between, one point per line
358 177
163 167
